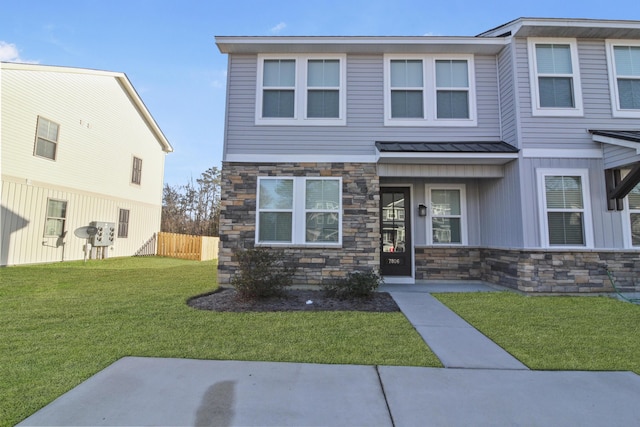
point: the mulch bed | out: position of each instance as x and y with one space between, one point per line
226 299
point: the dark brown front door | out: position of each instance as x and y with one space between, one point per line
395 221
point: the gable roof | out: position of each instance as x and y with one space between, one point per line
120 77
567 27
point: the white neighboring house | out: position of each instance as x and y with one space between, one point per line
78 146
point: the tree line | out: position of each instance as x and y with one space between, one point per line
193 208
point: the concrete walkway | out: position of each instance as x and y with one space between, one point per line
456 343
482 386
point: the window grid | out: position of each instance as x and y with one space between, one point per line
123 223
46 144
299 211
136 171
554 77
55 218
624 73
430 90
564 212
312 94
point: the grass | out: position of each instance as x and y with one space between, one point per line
63 322
556 333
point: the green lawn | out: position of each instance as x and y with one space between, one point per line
556 333
63 322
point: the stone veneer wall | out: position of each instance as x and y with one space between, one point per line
532 270
360 221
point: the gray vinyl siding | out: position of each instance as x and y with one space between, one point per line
607 226
501 210
365 114
570 132
508 111
615 156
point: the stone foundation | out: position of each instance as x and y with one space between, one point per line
315 265
532 270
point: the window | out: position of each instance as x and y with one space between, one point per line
407 89
301 90
323 88
624 74
123 223
447 215
631 228
299 210
279 82
136 171
56 216
566 219
633 202
555 77
452 89
429 90
46 138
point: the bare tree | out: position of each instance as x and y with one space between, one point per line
193 208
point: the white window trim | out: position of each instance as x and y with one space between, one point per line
626 227
542 206
56 142
300 92
47 217
613 79
429 91
463 213
298 214
536 110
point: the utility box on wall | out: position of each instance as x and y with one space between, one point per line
106 234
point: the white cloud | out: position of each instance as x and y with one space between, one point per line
9 52
281 26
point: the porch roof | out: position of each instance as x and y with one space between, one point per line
617 187
482 152
625 138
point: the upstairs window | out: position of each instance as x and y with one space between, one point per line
323 88
279 83
555 78
46 138
624 77
301 90
136 171
452 89
429 90
407 89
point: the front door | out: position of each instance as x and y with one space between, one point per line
395 220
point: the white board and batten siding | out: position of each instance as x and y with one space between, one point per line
101 129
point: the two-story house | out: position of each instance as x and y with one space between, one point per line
511 157
79 147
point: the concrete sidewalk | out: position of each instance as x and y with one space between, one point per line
483 386
180 392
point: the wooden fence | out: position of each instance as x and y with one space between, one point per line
200 248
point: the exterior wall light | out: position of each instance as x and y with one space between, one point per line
422 210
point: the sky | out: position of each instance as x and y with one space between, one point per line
167 47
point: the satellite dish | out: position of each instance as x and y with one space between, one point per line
85 232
